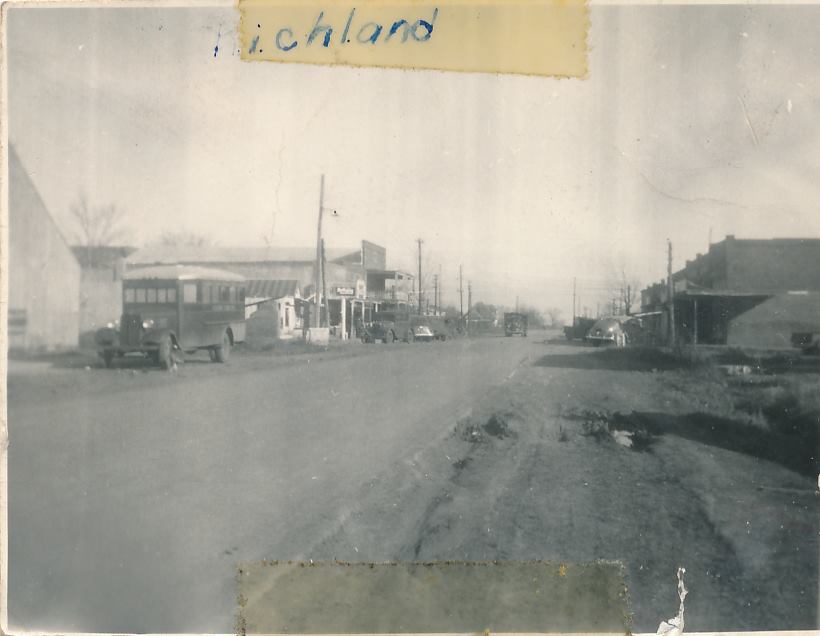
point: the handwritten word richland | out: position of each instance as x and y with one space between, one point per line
354 30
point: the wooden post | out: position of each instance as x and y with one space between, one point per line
671 294
695 322
318 266
419 285
461 295
324 289
344 318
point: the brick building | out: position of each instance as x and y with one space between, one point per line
733 277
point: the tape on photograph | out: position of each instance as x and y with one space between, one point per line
531 37
460 597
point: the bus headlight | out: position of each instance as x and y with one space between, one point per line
114 324
147 324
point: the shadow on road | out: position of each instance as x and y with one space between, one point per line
555 340
791 440
90 360
615 360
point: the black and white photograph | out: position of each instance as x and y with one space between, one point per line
268 312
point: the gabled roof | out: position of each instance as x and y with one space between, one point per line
209 254
271 288
181 272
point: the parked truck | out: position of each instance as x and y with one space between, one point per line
515 324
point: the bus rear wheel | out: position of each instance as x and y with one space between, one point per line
222 352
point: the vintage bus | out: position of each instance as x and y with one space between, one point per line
171 309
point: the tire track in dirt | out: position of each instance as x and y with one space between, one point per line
519 479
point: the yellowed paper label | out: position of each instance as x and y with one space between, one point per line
532 37
445 597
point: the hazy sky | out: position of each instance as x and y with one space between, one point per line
691 118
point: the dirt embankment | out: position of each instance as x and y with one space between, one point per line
621 455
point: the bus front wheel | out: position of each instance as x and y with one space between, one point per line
223 351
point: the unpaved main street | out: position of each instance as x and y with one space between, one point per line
134 493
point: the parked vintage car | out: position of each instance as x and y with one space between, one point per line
515 324
441 327
580 328
607 331
421 333
387 327
171 309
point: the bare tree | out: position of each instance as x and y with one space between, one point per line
622 288
97 225
185 238
630 290
554 316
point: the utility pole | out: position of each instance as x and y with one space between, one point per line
670 293
573 301
516 304
440 284
435 294
469 302
419 242
461 294
318 266
324 289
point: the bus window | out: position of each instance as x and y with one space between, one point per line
224 294
162 295
151 295
242 295
129 295
172 295
140 295
189 293
232 294
206 293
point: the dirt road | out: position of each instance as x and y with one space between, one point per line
133 494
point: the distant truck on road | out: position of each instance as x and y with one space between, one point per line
515 324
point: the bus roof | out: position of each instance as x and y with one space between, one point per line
181 272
